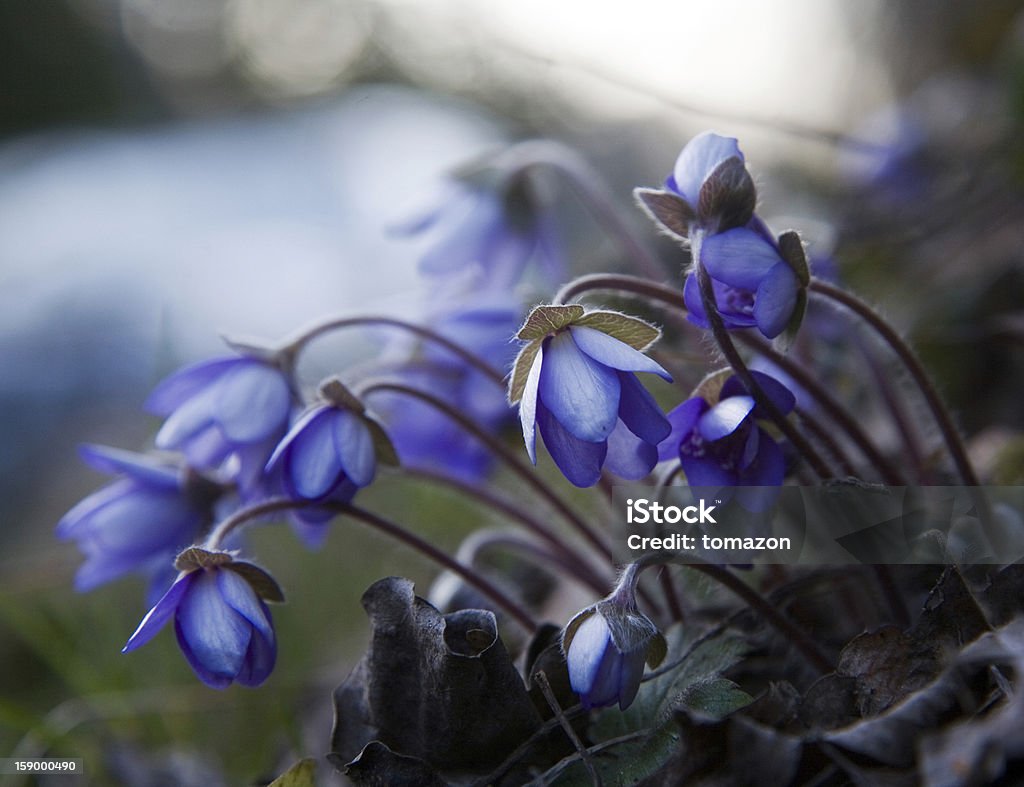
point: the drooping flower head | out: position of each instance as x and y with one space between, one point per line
224 415
140 521
222 624
575 383
606 646
709 189
722 444
488 226
754 284
328 455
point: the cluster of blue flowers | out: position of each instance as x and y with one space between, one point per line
238 431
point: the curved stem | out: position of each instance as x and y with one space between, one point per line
662 293
499 504
725 344
592 191
824 437
800 639
501 451
396 531
293 346
942 416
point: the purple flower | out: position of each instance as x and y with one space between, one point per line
606 647
327 456
722 445
582 395
753 284
221 622
140 521
487 231
698 160
225 415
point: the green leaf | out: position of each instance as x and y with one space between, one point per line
792 249
195 558
301 774
715 697
710 388
638 334
545 320
521 370
785 339
619 762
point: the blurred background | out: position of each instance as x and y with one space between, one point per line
174 171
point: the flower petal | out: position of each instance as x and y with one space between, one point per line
160 613
580 461
589 643
312 465
739 257
213 637
173 391
725 417
239 595
188 420
528 406
699 159
614 353
777 393
631 675
141 466
252 402
629 456
354 446
776 299
705 471
683 420
640 412
259 660
581 393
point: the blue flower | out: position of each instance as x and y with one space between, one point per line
698 160
221 622
753 284
139 522
327 456
488 232
590 408
606 647
224 415
722 445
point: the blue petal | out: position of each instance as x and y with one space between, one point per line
252 402
354 445
259 660
586 650
190 419
170 394
605 690
705 471
312 465
580 461
141 466
694 305
777 393
528 406
683 420
739 257
769 466
213 637
776 299
582 394
725 417
612 352
640 412
632 674
629 456
215 680
239 595
462 234
699 159
159 614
